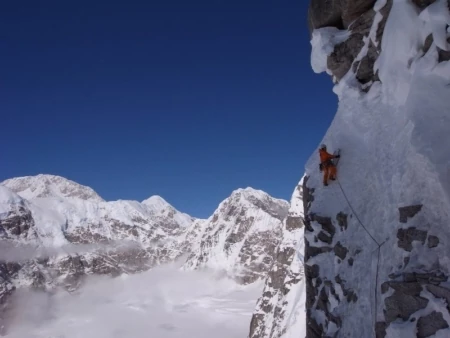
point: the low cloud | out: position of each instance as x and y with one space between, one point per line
162 303
15 252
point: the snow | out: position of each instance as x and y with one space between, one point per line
59 206
157 206
245 208
8 200
165 302
323 42
30 187
436 18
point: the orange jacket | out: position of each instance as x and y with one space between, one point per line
324 156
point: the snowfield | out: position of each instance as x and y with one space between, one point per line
162 303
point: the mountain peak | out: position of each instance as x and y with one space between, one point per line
44 185
160 207
156 201
253 195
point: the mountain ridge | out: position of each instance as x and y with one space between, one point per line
61 240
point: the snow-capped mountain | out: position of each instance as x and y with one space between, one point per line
241 236
158 207
30 187
50 240
283 300
376 256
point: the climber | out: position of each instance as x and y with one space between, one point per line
327 165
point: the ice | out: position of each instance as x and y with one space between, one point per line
323 42
8 200
436 18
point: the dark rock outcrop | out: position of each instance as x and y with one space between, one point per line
380 330
407 236
407 298
358 17
429 325
336 13
433 241
408 212
340 250
405 301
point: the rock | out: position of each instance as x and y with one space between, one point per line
429 325
423 3
380 329
352 10
312 251
342 59
433 241
307 194
322 301
342 220
404 302
350 261
434 278
408 288
405 261
440 292
314 330
340 250
293 223
336 13
323 13
407 236
408 212
444 55
326 224
324 237
282 278
351 296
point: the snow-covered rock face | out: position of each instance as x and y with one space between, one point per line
50 186
282 304
158 207
241 236
376 241
101 237
375 247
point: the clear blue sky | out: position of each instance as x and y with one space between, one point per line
184 99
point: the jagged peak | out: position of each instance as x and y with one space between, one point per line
251 194
158 205
254 198
156 201
45 185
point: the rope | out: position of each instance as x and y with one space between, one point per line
356 215
379 245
